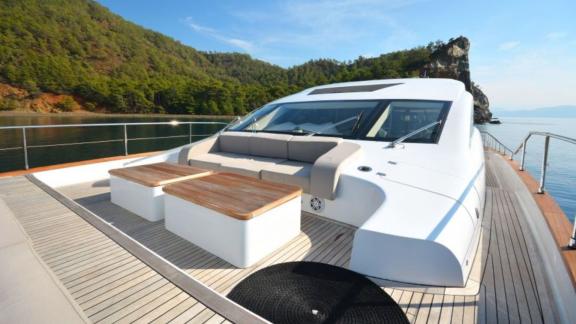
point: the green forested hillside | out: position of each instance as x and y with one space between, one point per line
80 48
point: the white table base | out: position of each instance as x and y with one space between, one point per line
146 202
239 242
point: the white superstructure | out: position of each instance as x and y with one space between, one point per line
418 210
416 206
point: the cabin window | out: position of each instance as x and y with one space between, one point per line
401 118
327 118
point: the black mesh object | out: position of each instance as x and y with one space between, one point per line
310 292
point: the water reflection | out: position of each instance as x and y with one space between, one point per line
110 139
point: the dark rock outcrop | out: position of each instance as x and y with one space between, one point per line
450 60
482 112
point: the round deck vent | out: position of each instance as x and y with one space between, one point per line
317 204
364 168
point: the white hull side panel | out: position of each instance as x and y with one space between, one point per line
435 256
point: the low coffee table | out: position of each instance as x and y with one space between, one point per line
139 188
237 218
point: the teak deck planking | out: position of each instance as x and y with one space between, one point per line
112 285
106 281
159 174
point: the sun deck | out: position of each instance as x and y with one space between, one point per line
112 285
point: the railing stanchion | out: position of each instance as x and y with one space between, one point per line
544 165
189 133
572 243
25 147
523 154
125 140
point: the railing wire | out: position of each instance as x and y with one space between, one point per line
125 139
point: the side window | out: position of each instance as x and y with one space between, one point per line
403 117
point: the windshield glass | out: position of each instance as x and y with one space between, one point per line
401 118
333 118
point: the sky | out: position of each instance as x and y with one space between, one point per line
523 53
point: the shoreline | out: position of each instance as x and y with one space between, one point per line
98 114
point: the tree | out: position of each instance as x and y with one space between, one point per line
79 48
67 104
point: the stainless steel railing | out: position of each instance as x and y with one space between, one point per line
25 146
547 136
492 142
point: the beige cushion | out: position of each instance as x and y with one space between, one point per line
289 172
245 168
235 142
310 148
270 145
204 146
29 293
326 170
249 166
212 161
10 231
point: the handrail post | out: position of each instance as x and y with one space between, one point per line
125 140
544 165
25 147
189 133
572 243
523 154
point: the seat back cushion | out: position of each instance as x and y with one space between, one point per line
270 145
235 142
310 148
289 172
207 145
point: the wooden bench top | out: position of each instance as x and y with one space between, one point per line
159 174
234 195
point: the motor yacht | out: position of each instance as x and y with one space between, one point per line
387 178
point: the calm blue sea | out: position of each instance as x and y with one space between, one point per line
561 175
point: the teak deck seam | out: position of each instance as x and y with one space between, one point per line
166 269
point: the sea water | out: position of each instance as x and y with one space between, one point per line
561 174
85 143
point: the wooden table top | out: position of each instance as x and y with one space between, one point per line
159 174
234 195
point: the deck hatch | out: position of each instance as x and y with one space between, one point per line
362 88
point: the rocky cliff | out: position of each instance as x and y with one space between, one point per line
450 60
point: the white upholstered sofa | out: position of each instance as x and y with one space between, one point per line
311 162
